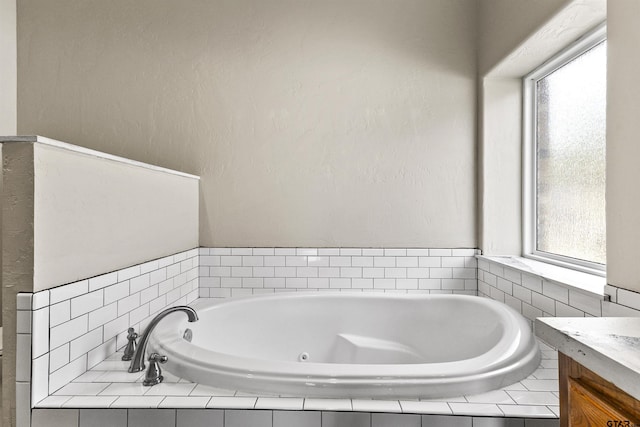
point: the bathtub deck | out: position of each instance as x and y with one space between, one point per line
108 385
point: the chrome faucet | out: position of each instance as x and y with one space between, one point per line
137 362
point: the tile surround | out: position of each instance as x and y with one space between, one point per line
88 320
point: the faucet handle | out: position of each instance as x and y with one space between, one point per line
130 349
153 375
155 357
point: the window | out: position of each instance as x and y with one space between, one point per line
565 134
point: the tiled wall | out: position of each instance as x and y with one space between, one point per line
263 418
226 272
64 331
535 297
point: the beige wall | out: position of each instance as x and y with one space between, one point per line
505 24
333 123
8 67
623 150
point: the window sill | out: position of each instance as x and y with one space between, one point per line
589 284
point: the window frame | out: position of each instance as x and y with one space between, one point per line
529 158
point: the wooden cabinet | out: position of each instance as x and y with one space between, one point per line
588 400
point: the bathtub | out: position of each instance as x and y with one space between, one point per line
350 345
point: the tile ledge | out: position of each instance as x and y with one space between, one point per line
586 283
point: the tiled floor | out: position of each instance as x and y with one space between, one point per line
108 385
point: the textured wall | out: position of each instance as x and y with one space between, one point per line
8 67
334 123
623 110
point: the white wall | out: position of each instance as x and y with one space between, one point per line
333 123
623 151
94 215
8 67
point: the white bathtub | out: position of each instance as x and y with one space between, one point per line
351 345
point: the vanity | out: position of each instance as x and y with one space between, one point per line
599 369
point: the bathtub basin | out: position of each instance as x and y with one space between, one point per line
351 345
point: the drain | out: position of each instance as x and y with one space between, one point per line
303 357
188 335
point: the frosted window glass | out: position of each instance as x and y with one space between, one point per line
571 125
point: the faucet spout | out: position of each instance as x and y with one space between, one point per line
137 362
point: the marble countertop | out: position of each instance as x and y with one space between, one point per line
609 346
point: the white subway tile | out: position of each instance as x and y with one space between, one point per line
340 261
274 261
586 303
252 261
522 293
418 273
285 271
102 281
429 284
115 292
395 273
407 262
138 314
328 272
429 262
40 378
58 357
241 271
231 261
328 251
128 273
115 327
179 257
384 283
285 251
361 261
339 283
610 309
167 285
220 271
240 292
173 270
86 342
505 286
318 282
149 266
544 303
263 251
375 273
157 276
491 279
532 282
471 284
149 294
395 252
418 252
496 294
274 282
40 331
209 260
318 261
384 261
67 373
242 251
69 291
86 303
360 283
207 282
472 262
407 284
564 310
514 303
440 252
127 304
629 298
157 304
219 251
263 272
513 276
253 282
463 273
307 271
139 283
441 273
372 252
530 312
555 291
40 300
23 301
453 284
68 331
453 261
296 282
351 272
